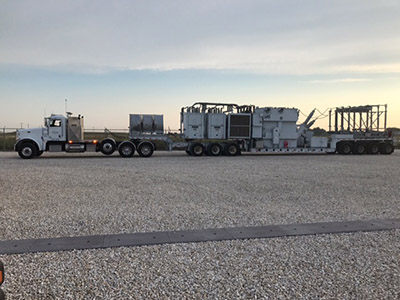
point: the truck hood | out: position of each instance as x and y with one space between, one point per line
30 132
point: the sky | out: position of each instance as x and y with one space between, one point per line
112 58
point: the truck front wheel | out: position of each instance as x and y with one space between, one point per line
27 151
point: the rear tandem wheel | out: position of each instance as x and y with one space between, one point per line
359 148
196 149
386 148
214 149
231 149
344 148
145 149
126 149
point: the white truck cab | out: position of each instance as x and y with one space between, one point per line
55 128
59 134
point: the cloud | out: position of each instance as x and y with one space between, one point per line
369 68
269 37
339 80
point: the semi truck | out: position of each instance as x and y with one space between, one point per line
216 129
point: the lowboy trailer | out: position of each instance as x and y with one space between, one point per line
222 129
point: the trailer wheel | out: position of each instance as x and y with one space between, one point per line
231 149
373 148
196 149
108 146
145 149
386 148
214 149
344 148
359 148
27 150
126 149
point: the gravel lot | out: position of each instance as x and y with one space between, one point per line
70 195
346 266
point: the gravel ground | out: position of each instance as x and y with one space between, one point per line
346 266
70 195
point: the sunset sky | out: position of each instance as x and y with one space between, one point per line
112 58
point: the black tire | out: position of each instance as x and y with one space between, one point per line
108 146
386 148
27 150
2 297
231 149
196 149
344 148
373 148
214 149
145 149
188 152
126 149
359 148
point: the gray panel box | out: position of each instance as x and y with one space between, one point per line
146 124
193 125
216 126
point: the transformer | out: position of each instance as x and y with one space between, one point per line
275 126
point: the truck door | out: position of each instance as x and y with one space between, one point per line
56 130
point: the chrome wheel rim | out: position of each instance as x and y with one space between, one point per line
215 150
232 149
146 150
107 147
27 151
197 150
127 150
